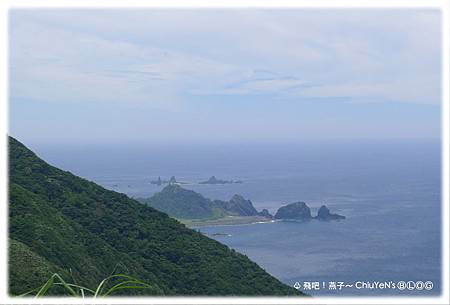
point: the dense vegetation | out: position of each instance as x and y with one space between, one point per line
238 206
112 284
60 223
181 203
186 204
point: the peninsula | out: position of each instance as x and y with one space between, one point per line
193 209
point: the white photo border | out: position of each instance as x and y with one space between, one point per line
442 5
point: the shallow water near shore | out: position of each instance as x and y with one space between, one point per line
390 192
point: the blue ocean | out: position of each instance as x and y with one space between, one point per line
389 191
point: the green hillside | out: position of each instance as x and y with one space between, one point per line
181 203
29 268
186 204
63 222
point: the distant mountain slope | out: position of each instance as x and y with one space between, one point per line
181 203
186 204
238 206
66 222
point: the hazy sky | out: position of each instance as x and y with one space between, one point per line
223 75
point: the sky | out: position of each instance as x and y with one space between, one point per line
225 75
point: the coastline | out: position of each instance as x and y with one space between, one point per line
225 221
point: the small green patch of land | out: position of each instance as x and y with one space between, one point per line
192 209
224 221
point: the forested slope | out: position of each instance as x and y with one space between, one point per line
68 223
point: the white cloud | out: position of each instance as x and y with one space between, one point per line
161 57
62 65
409 90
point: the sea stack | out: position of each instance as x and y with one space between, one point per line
265 213
324 214
295 211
